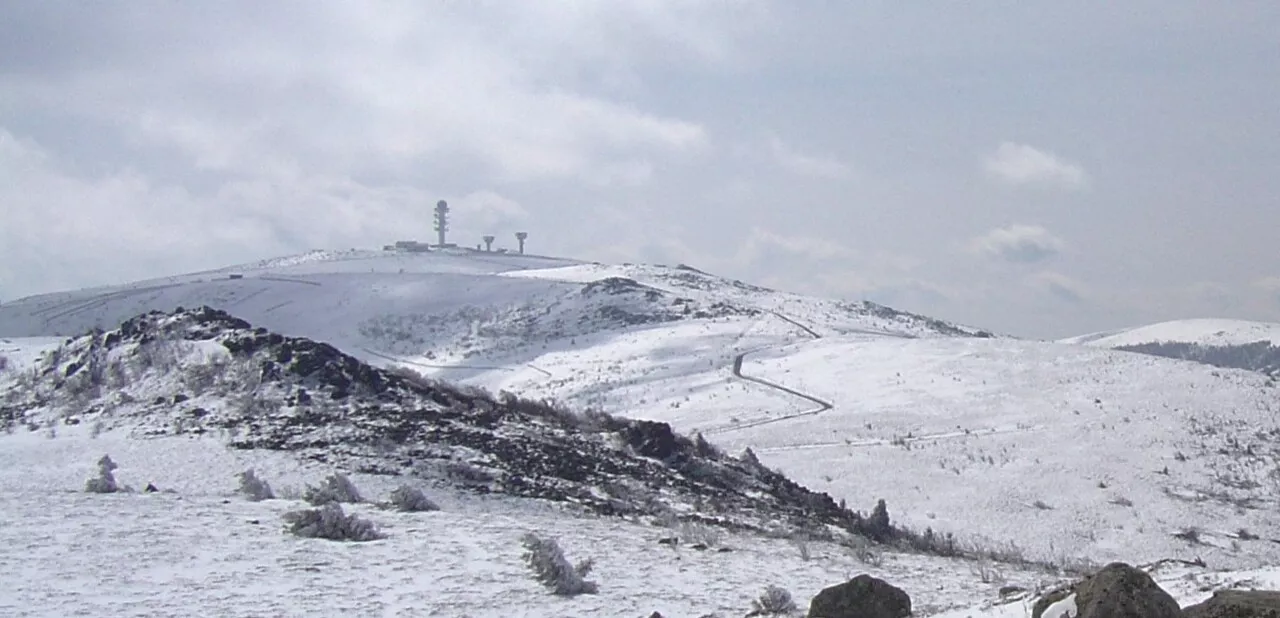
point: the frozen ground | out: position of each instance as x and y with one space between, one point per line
1068 451
198 548
204 547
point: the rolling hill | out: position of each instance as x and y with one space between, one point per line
1055 450
1237 344
1208 332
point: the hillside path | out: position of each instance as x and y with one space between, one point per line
822 404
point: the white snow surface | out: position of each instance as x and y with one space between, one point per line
1211 332
1070 452
198 547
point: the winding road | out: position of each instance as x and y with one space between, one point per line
822 404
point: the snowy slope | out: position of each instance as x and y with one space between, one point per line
459 310
970 434
1212 332
963 434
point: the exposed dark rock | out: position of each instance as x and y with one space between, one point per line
1237 604
650 439
310 398
861 597
1117 590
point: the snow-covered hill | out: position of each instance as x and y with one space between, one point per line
1235 344
451 305
1060 449
1064 451
1208 332
198 372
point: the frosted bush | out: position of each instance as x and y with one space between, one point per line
411 500
330 522
105 483
552 569
336 488
774 601
254 487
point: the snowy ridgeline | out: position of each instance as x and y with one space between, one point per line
1260 356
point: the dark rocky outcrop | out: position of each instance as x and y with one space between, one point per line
1117 590
1237 604
861 597
292 394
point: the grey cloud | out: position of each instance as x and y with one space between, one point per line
205 134
1023 244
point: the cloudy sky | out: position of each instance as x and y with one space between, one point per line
1037 168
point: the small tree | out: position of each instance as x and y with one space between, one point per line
775 601
330 522
553 570
255 488
336 488
878 526
106 481
411 500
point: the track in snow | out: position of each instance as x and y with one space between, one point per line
822 404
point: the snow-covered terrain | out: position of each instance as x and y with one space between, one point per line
1201 332
199 547
1234 344
1063 453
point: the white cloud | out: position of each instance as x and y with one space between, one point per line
1020 164
1017 243
62 230
347 90
805 164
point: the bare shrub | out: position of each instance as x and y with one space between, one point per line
201 378
774 601
699 534
255 488
330 522
987 572
105 483
407 499
802 545
336 488
1121 501
549 566
1042 505
864 550
467 473
1190 535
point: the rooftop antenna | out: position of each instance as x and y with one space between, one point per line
442 220
520 236
488 243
